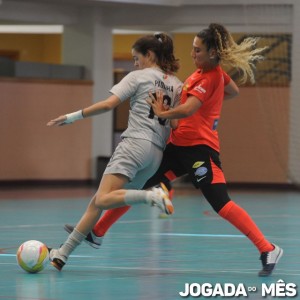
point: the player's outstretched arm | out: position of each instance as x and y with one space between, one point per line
95 109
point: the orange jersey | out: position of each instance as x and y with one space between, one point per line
201 127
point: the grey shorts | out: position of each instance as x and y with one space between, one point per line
137 159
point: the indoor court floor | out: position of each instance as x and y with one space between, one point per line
144 257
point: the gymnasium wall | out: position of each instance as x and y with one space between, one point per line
31 151
32 47
254 136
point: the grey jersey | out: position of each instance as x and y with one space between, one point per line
142 123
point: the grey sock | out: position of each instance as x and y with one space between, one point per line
75 238
136 197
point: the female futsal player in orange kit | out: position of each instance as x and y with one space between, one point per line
194 144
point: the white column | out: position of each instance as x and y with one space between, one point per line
89 43
294 133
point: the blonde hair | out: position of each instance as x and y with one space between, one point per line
229 53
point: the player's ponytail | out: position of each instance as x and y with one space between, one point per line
167 60
242 57
162 46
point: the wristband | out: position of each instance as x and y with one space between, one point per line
72 117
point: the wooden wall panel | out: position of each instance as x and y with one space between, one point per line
29 149
254 133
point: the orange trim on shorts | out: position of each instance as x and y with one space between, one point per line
170 175
218 175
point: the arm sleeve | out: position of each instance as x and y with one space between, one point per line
202 90
226 78
126 87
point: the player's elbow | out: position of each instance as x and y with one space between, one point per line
231 95
236 92
108 105
231 91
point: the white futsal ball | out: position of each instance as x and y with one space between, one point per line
32 256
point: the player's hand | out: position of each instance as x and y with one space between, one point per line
60 121
157 102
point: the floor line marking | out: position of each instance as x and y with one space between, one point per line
201 235
77 256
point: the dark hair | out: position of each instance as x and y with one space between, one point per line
242 56
215 37
162 46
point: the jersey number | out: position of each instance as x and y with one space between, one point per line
167 102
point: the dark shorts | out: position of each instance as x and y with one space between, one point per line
200 162
203 166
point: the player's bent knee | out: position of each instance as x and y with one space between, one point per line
102 202
216 195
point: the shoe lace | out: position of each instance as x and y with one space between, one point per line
264 258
